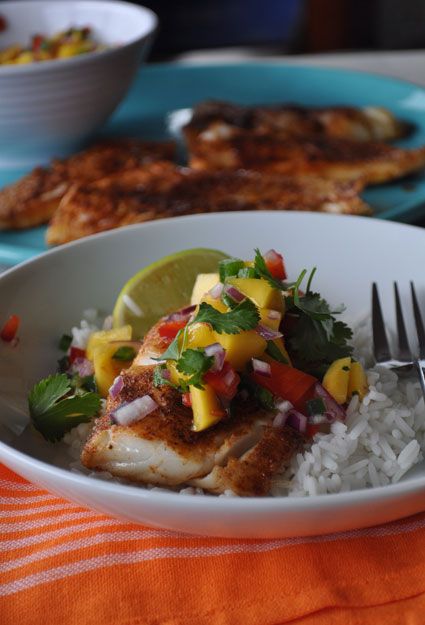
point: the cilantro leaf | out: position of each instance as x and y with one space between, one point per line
173 350
54 411
262 271
244 316
316 338
65 342
273 351
44 394
194 362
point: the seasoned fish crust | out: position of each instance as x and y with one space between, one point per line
162 189
32 200
358 124
241 453
338 159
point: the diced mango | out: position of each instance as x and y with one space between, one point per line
240 348
337 378
176 376
260 291
215 303
204 282
357 383
107 368
200 335
106 336
265 320
206 408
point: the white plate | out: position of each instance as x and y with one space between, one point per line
50 292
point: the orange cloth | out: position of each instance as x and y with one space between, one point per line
61 564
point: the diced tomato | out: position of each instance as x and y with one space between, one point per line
187 400
312 429
10 328
3 23
169 329
275 264
37 40
288 383
76 352
225 382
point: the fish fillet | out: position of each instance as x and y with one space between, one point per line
162 189
223 119
241 453
333 158
32 200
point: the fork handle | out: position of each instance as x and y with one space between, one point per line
418 366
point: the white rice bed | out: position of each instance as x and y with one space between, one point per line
382 438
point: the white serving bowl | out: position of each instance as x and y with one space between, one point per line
48 108
50 292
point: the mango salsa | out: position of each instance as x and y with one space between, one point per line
260 291
357 383
206 407
106 368
337 378
106 336
204 282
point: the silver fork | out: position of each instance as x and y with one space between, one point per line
381 348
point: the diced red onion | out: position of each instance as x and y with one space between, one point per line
216 291
218 353
279 420
233 293
229 378
116 387
334 412
261 367
166 374
274 314
181 315
134 411
82 366
283 405
267 333
296 420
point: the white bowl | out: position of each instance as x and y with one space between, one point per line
48 108
50 293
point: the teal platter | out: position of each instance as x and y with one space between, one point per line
164 88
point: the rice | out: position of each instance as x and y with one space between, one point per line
381 440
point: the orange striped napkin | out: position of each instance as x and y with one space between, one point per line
63 564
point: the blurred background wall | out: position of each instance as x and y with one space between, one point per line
288 26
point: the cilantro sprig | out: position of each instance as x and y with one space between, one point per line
263 272
194 363
55 408
244 316
315 338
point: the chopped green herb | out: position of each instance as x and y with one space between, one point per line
125 352
244 316
247 272
262 272
195 363
273 351
65 342
229 267
264 397
315 338
173 350
54 410
315 406
310 279
228 301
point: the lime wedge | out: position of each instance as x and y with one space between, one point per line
161 288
